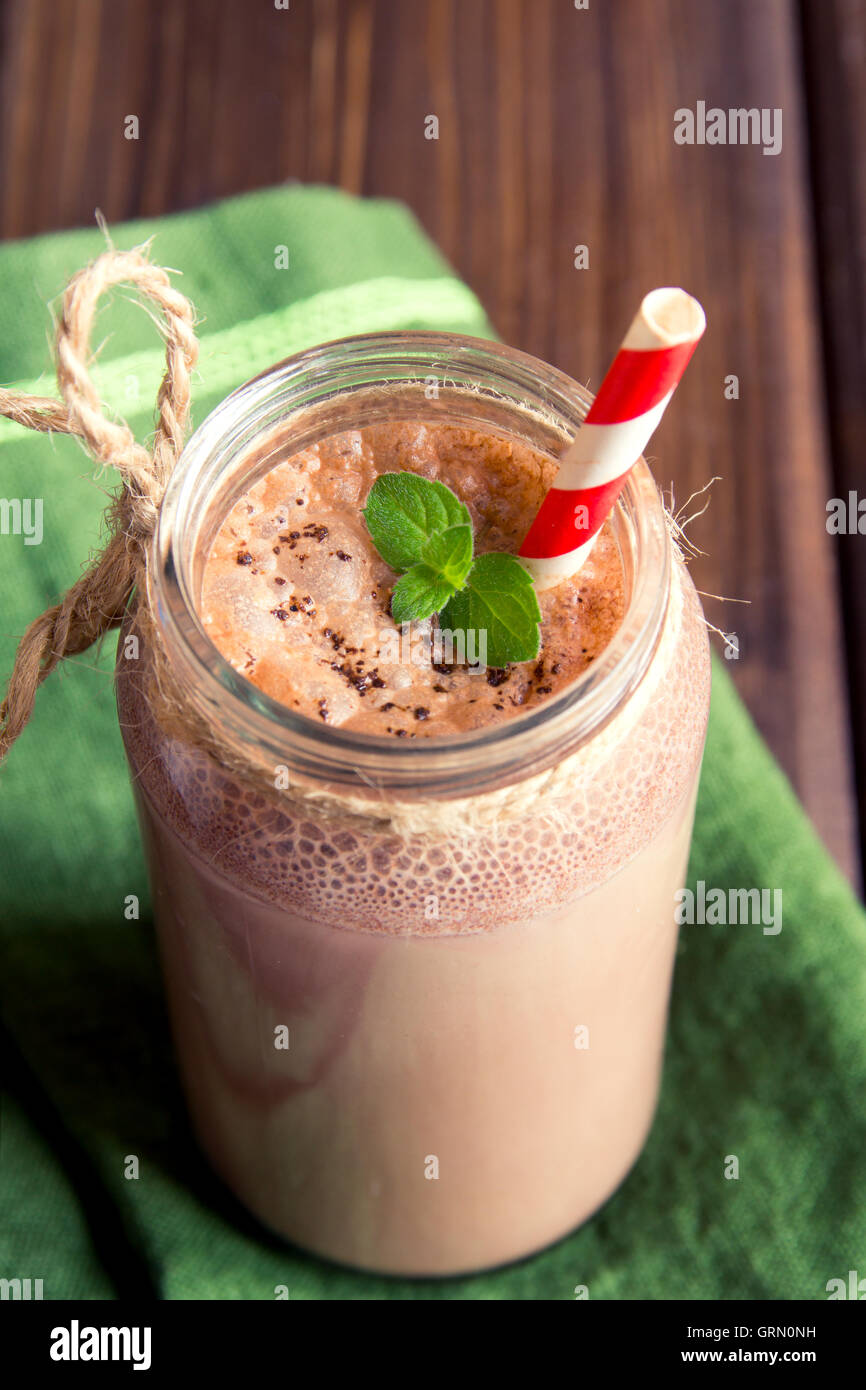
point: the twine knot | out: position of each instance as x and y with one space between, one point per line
97 601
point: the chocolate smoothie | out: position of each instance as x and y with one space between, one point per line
297 598
415 1044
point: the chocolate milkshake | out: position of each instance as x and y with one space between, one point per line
296 597
418 960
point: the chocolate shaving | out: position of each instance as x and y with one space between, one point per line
497 675
359 680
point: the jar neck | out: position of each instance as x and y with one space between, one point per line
442 378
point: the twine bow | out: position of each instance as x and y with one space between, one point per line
96 602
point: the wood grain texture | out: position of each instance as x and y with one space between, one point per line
555 129
834 48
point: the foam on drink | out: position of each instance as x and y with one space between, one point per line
297 598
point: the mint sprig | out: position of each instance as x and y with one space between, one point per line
424 533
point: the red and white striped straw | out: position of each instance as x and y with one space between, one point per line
630 402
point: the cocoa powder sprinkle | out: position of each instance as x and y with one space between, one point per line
497 675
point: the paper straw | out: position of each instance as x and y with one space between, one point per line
630 402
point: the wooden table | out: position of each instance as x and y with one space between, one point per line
556 129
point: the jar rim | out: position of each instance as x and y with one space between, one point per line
273 735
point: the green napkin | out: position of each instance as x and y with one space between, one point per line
766 1058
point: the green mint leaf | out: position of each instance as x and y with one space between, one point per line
499 600
404 511
424 532
450 554
418 594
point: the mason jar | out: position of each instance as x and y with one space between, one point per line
397 1090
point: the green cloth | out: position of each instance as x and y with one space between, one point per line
766 1057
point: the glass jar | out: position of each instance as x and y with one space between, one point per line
404 1089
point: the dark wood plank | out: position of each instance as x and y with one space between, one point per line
556 128
834 56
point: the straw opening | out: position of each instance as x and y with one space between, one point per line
673 316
